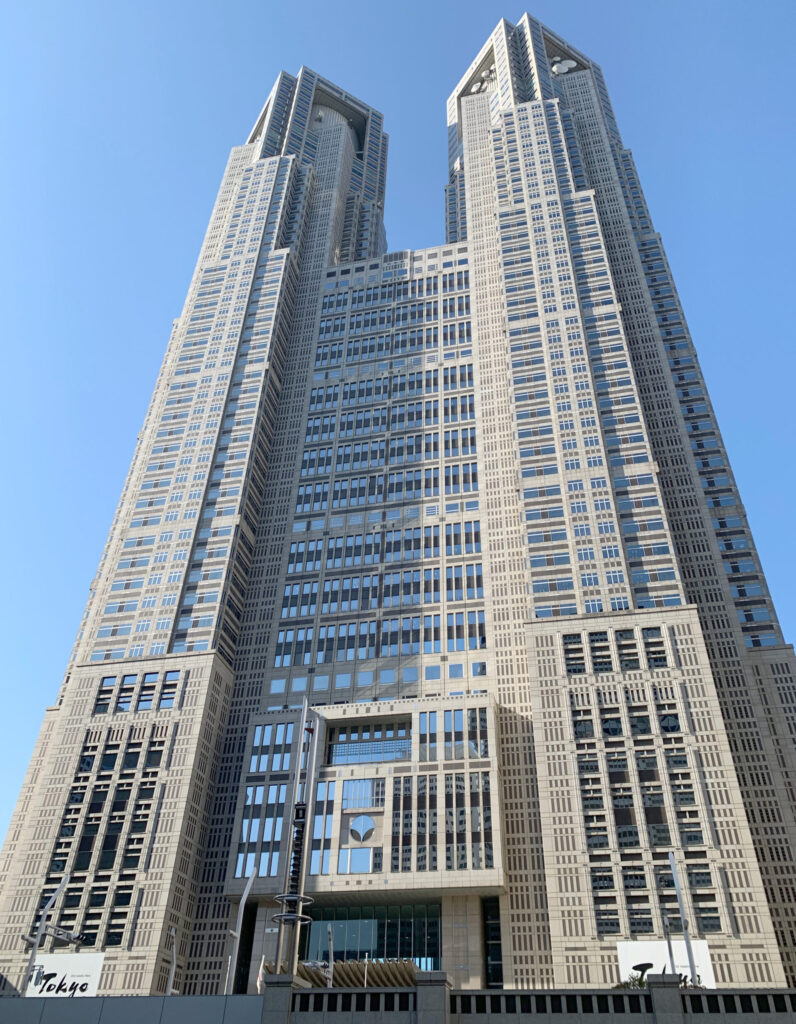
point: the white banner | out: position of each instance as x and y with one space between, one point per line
656 952
66 975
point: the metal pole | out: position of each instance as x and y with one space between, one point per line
173 968
307 794
233 960
280 935
686 936
365 983
261 975
330 938
261 972
668 935
40 931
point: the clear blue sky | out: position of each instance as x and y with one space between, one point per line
117 119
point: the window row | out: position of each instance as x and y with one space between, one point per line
406 448
402 485
355 593
387 546
143 695
386 638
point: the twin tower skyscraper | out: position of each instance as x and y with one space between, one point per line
471 503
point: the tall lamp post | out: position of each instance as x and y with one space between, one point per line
679 894
233 960
293 899
40 932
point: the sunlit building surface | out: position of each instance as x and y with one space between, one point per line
470 502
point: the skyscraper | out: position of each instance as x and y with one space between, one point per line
471 502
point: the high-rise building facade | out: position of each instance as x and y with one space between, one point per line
471 504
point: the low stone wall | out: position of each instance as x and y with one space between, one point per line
432 1001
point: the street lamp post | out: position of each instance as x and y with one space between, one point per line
40 932
293 900
280 918
686 936
233 960
173 969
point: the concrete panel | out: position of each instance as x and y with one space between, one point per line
192 1010
135 1010
243 1010
21 1011
71 1011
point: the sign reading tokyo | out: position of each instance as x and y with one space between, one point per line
656 952
66 975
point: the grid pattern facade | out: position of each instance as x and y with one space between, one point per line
471 503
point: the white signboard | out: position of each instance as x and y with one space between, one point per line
656 952
66 975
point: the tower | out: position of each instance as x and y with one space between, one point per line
471 504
